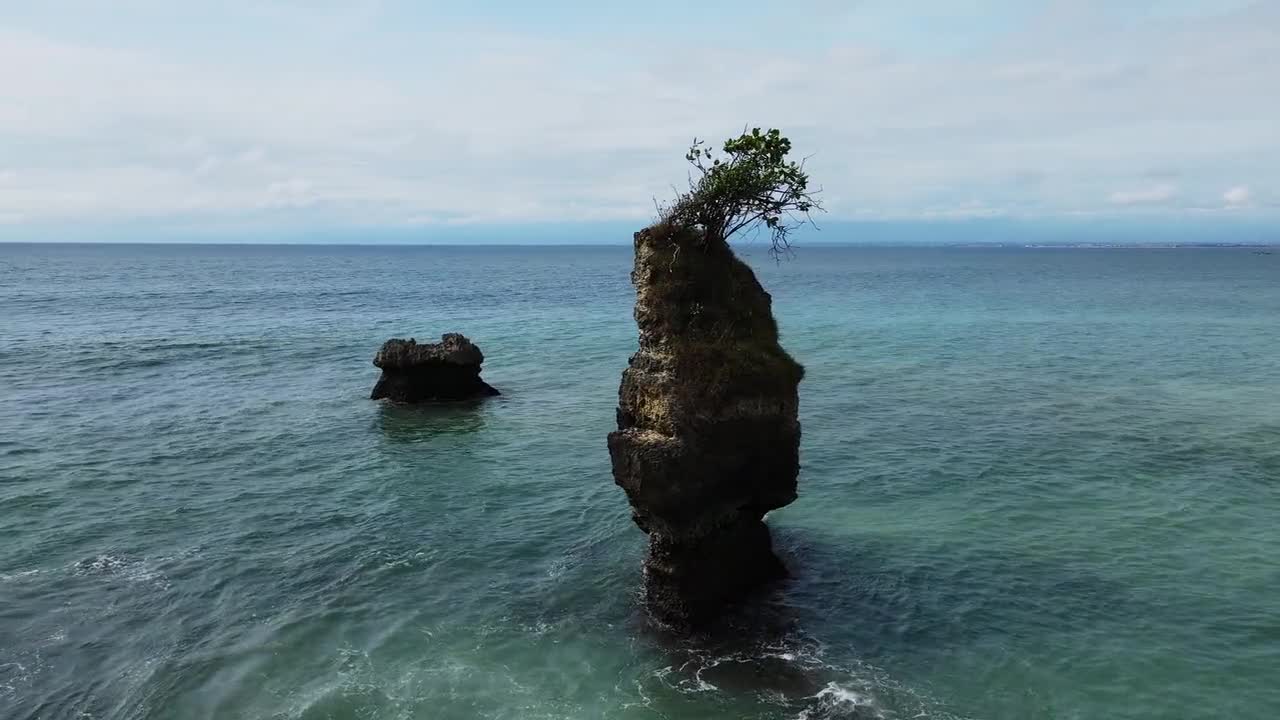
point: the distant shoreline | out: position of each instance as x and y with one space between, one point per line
1127 246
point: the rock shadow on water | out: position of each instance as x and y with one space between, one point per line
758 658
410 424
824 642
895 601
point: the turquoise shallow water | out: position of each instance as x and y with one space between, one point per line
1036 484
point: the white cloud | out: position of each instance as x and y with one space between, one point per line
1146 196
291 193
1237 197
476 128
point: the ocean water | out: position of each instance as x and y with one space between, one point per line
1037 483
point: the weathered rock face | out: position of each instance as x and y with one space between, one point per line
708 437
414 373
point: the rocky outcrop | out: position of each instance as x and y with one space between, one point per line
708 437
414 373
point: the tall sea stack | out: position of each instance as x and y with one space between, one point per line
708 437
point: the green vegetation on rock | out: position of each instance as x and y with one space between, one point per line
749 184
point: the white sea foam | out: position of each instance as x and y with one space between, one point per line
837 701
128 569
558 567
837 695
17 674
851 692
702 685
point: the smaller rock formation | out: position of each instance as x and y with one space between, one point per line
447 370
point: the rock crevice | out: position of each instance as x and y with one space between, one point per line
708 436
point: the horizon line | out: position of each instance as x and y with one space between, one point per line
1101 245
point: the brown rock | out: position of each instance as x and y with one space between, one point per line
708 437
414 373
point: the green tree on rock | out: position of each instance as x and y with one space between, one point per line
749 185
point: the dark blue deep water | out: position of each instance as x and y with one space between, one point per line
1036 484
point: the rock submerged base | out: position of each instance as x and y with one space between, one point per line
415 372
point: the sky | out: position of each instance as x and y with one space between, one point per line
274 118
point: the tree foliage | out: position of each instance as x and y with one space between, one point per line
750 184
